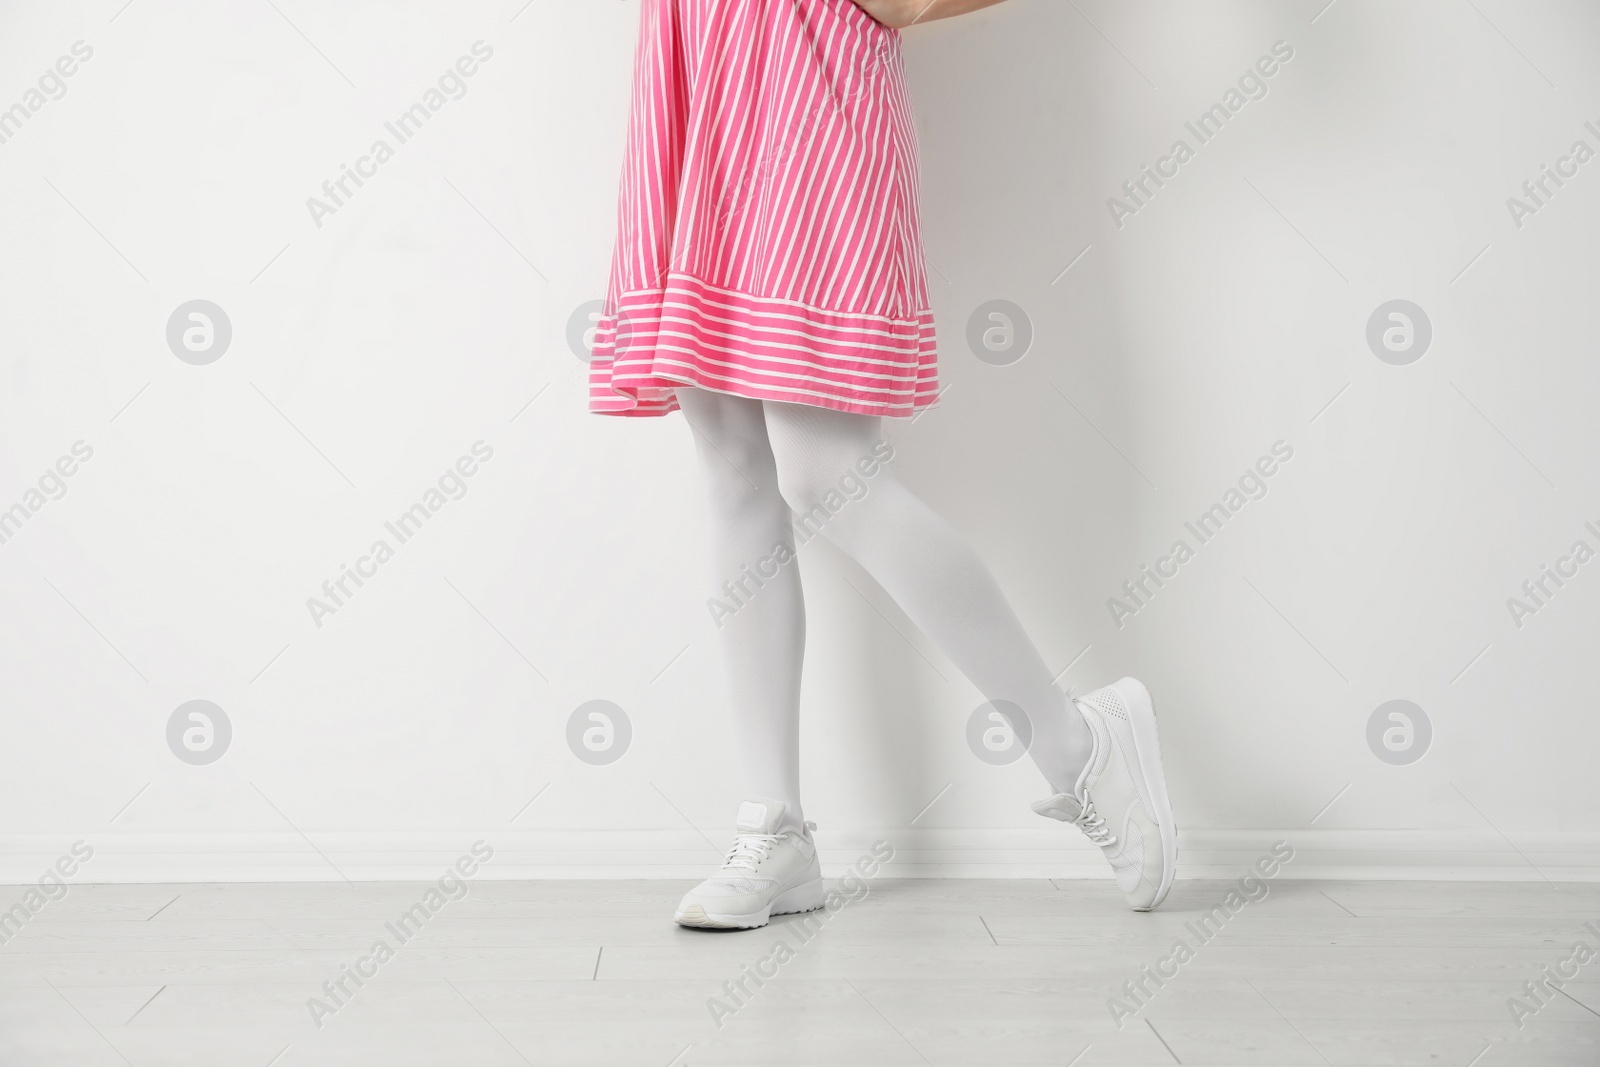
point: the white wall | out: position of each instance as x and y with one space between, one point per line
430 312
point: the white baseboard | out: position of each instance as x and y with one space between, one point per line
1041 852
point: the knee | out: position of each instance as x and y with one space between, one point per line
739 476
815 491
795 482
737 461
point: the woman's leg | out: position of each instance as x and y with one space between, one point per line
921 561
763 638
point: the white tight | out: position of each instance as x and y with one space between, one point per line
763 459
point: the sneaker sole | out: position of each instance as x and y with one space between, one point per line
807 896
1142 717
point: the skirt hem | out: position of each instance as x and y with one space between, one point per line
692 333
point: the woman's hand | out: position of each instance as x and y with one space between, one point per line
898 14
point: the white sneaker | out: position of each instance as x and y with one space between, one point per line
767 873
1121 800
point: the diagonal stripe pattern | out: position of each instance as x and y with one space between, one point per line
768 238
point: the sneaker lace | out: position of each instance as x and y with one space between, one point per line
748 851
1094 825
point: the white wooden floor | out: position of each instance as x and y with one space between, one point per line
917 972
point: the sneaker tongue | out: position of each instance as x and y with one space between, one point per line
759 815
1063 806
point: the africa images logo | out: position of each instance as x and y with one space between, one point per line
1252 485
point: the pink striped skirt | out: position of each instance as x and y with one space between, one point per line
768 239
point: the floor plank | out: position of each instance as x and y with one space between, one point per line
919 971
